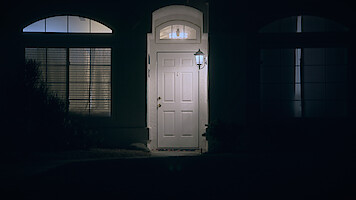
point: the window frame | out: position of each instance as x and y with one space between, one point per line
73 40
67 97
302 40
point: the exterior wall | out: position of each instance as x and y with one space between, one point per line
233 50
235 75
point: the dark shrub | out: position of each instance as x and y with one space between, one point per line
37 120
44 113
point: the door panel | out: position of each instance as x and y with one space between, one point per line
187 118
187 87
177 101
169 122
169 89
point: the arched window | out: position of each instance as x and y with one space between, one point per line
303 24
177 31
302 78
67 24
80 76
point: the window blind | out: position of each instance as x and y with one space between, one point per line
89 80
80 76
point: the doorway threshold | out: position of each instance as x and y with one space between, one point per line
168 152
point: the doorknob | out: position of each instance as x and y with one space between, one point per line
159 105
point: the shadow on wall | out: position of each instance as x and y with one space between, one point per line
287 135
37 119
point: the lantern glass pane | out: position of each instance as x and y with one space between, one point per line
199 59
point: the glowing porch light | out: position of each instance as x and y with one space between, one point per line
199 58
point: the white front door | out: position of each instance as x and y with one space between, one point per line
177 101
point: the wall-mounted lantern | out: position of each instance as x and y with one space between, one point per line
199 57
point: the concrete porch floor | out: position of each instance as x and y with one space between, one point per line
185 175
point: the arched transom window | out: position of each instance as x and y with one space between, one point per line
177 31
67 24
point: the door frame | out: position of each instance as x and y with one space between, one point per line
154 47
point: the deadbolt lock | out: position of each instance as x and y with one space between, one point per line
159 98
